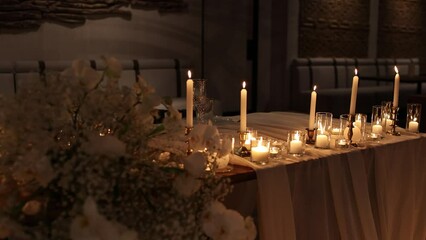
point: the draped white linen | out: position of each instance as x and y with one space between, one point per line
377 191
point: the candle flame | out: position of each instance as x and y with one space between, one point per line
315 87
396 69
259 143
356 72
415 119
296 137
321 127
244 84
189 74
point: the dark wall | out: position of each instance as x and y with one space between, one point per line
336 28
400 29
330 28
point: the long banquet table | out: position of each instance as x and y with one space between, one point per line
375 191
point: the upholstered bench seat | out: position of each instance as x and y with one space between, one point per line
337 100
333 77
167 76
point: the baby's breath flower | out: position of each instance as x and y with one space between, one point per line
81 158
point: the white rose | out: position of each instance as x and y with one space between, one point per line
220 223
92 225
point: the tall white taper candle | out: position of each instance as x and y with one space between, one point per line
243 108
396 88
313 108
189 101
354 93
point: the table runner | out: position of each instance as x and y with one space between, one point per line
355 193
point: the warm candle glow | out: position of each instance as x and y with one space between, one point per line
321 128
243 108
189 101
297 137
295 145
396 88
354 93
312 109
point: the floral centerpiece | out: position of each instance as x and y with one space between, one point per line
82 158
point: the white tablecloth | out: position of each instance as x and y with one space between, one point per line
377 191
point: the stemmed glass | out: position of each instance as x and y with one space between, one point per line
201 102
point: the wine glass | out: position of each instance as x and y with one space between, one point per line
201 101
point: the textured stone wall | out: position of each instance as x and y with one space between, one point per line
401 29
334 28
31 14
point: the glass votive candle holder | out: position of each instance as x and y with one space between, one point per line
357 128
361 123
276 148
386 115
414 111
335 135
248 136
378 125
260 150
223 154
324 121
296 140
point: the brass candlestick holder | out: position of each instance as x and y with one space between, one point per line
311 136
188 145
394 119
351 120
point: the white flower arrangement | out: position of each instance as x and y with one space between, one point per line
81 158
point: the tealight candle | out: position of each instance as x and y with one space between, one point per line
274 151
259 154
296 146
341 143
322 141
260 151
296 142
335 131
377 129
413 126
